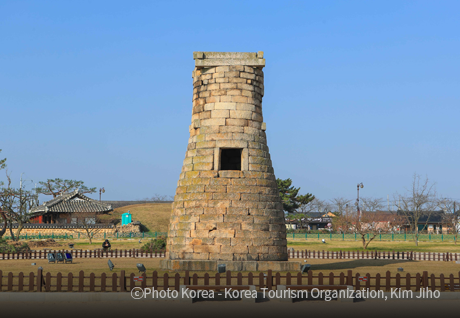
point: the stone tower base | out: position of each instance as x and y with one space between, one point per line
240 266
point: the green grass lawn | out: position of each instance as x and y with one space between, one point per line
300 244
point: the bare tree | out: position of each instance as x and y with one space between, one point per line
372 204
418 204
159 198
2 213
58 186
88 226
339 204
450 217
15 205
367 226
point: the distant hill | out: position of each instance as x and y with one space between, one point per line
119 204
153 216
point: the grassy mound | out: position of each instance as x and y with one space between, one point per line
153 216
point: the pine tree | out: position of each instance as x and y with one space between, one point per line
290 196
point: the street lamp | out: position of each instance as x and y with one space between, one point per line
360 185
101 190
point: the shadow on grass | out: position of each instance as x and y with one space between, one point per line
358 263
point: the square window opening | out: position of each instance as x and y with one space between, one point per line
230 159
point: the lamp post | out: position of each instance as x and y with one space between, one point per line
101 190
360 185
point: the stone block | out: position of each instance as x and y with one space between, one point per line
262 242
218 189
206 225
199 233
200 159
253 174
220 182
251 76
239 99
231 143
235 249
240 257
233 218
241 114
258 249
224 106
236 210
228 86
228 226
221 257
241 189
231 129
244 204
237 80
218 74
244 182
215 210
262 219
221 113
219 92
209 174
230 174
199 240
195 256
218 203
207 144
236 122
211 218
203 166
232 74
234 92
249 197
226 196
206 248
229 233
223 240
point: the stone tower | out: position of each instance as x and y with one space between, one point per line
227 208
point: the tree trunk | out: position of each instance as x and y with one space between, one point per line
363 237
18 231
11 232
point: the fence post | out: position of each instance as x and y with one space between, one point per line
405 236
78 235
380 236
355 236
117 235
429 236
105 235
39 235
318 235
343 236
392 236
442 237
330 236
39 280
122 281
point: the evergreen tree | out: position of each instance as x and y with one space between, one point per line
290 196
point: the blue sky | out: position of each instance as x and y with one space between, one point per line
355 91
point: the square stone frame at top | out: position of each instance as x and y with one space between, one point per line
244 158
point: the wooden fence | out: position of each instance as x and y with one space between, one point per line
305 254
42 254
41 282
414 256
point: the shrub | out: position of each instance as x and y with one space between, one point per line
154 245
13 248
